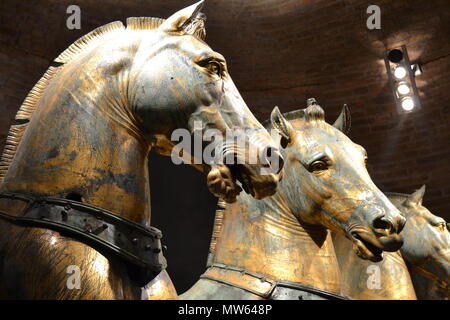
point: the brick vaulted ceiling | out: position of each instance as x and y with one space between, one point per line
281 52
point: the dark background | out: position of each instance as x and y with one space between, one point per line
280 52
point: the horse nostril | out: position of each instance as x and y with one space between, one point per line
400 224
274 158
280 162
382 223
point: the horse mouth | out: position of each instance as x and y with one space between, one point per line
238 173
222 182
258 186
365 249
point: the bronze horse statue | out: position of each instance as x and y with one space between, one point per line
280 247
420 268
75 194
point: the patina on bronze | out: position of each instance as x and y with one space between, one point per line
426 251
280 247
84 133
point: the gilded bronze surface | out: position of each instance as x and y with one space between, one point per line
285 237
84 133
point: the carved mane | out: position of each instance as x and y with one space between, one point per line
217 230
88 41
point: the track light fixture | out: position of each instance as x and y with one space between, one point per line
402 79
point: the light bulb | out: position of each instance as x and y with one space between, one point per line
408 104
400 72
403 89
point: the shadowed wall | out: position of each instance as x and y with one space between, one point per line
279 52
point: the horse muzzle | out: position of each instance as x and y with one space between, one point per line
369 245
222 180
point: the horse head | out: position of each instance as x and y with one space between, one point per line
326 182
427 238
178 81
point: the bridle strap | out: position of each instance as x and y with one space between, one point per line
260 285
240 278
139 247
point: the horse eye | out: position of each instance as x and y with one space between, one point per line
318 165
442 226
439 224
214 67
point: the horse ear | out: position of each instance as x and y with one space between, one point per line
186 21
283 127
416 198
343 122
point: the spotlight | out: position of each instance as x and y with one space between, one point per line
408 104
403 89
400 72
395 56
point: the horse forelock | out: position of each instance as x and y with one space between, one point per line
314 113
197 27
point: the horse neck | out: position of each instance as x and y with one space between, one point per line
367 280
81 140
264 237
430 282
